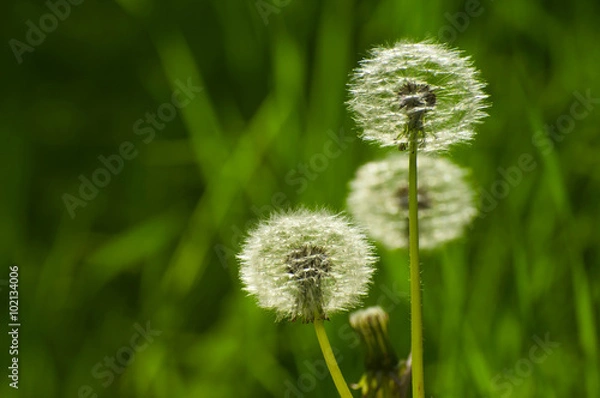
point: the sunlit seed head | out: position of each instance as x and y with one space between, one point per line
424 86
306 264
379 200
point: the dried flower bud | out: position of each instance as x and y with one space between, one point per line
425 87
384 376
372 326
379 199
306 264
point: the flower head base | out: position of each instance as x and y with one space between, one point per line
379 200
424 87
306 264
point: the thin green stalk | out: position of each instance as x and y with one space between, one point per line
332 365
416 314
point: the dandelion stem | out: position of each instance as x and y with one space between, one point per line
416 314
334 369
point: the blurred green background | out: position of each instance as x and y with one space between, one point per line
154 248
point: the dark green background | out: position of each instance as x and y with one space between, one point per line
157 243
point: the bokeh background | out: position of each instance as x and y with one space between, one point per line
154 249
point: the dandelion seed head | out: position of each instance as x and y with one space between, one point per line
424 86
378 199
306 264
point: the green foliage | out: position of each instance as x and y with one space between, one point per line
269 129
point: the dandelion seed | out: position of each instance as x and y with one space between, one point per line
306 264
424 87
379 199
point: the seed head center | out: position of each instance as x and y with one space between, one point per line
308 262
423 200
416 98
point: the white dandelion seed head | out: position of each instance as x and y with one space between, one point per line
378 199
429 80
307 264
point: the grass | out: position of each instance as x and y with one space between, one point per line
157 244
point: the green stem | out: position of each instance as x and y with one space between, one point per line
334 369
416 314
